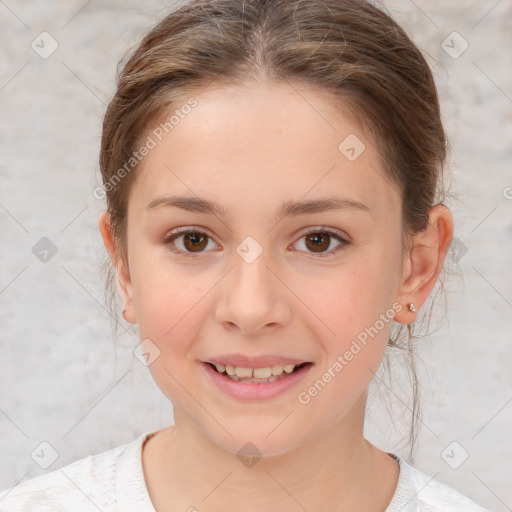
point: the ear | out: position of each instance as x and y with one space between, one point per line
423 262
124 285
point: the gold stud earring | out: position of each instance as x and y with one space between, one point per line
411 307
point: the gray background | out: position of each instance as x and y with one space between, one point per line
65 381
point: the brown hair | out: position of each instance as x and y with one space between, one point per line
350 48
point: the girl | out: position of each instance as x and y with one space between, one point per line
273 181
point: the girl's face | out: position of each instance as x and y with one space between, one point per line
254 283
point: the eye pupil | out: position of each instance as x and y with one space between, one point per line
317 239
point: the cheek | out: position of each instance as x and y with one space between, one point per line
349 298
168 303
353 319
171 309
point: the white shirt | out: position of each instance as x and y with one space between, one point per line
113 481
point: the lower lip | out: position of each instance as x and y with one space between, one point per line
256 390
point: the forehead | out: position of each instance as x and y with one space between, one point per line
262 143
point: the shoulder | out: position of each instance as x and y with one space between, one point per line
84 485
418 492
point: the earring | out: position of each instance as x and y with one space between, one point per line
411 307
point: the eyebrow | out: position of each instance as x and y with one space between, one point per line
289 208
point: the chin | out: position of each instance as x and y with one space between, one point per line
258 441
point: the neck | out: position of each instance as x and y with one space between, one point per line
338 470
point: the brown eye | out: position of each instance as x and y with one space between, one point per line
187 242
194 241
318 242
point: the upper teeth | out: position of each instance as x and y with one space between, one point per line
258 373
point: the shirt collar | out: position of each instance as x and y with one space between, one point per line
131 491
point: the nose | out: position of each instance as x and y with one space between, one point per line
252 299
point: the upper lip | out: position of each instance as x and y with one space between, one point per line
260 361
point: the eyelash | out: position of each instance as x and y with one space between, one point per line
169 239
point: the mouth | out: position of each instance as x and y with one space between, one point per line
263 375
